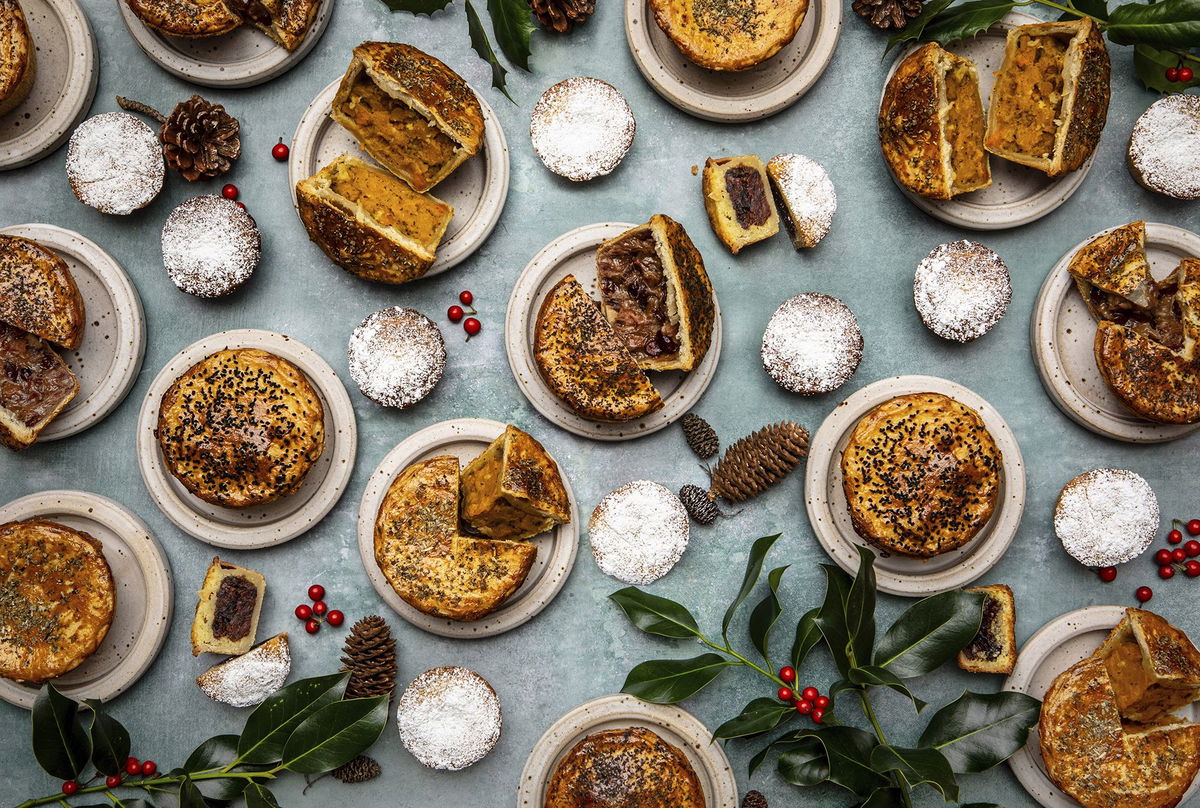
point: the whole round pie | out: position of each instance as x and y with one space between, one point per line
624 768
241 427
1164 147
449 718
581 128
961 289
397 356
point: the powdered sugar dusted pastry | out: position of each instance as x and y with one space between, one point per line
582 128
115 163
397 356
812 344
1164 149
449 718
638 532
210 246
247 680
961 289
804 197
1106 517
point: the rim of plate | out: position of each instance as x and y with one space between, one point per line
694 100
523 306
468 238
128 342
682 730
135 657
553 567
821 496
1043 325
288 517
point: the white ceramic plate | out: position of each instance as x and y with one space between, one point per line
242 58
574 253
476 190
746 95
144 594
67 70
1062 333
829 513
674 725
1055 647
108 359
276 522
466 438
1018 194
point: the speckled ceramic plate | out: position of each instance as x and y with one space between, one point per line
1018 194
1055 647
144 594
466 438
276 522
67 71
242 58
114 339
746 95
574 253
1062 334
476 190
673 724
829 513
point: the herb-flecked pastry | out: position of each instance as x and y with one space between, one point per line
18 57
38 293
1153 666
192 19
514 490
285 21
729 35
227 610
738 200
623 768
994 649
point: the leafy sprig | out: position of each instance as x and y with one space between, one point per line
305 727
970 734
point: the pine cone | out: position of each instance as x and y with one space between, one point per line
370 655
701 437
758 461
359 770
754 799
200 140
887 14
698 505
562 15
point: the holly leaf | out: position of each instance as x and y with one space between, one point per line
760 757
483 46
831 619
976 731
846 752
258 796
1151 65
917 766
1165 24
335 734
655 615
60 744
930 633
875 676
190 796
512 21
916 26
426 7
883 798
754 565
966 20
805 762
269 726
669 681
807 637
109 740
760 715
215 753
860 610
763 618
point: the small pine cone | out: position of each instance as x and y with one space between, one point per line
754 799
359 770
885 14
701 437
562 15
200 140
370 655
758 461
696 502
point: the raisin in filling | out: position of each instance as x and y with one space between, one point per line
986 644
748 196
236 598
634 285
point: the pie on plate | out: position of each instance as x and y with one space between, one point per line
18 57
624 768
38 293
729 35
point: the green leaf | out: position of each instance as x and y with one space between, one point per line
978 730
917 766
807 637
846 752
754 565
215 753
483 46
763 618
655 615
760 715
417 6
760 757
125 803
1165 24
875 676
916 26
966 20
268 727
109 740
60 744
259 797
335 734
190 796
1151 66
831 620
805 762
669 681
930 633
860 610
512 20
883 798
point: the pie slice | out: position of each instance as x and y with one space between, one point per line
1153 666
18 57
38 293
729 36
738 200
1112 274
192 19
35 386
285 21
514 489
227 609
994 649
584 363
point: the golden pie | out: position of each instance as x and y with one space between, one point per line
285 21
187 18
514 490
18 57
729 34
1153 666
38 293
624 768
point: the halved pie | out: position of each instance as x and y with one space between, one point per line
38 293
1153 666
514 490
192 19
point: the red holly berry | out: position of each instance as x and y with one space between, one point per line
312 626
335 618
70 787
818 716
466 298
230 191
454 313
785 694
787 674
133 766
821 702
1143 593
304 611
1192 548
112 781
319 608
241 205
1193 527
1163 556
1178 555
149 767
316 592
810 693
1192 568
280 151
804 707
1172 74
1166 571
1174 537
1185 74
472 326
1108 574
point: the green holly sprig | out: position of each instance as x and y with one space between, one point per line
973 733
306 727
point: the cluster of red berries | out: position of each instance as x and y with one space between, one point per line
456 313
230 192
313 615
133 767
1180 72
808 701
1169 560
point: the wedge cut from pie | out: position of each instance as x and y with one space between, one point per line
38 293
514 490
1153 666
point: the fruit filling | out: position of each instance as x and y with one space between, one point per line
389 201
33 379
634 286
234 608
964 129
987 643
748 195
1028 95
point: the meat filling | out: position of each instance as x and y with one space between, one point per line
634 285
748 195
33 379
1160 321
964 129
234 609
1027 99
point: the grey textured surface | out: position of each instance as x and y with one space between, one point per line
581 647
